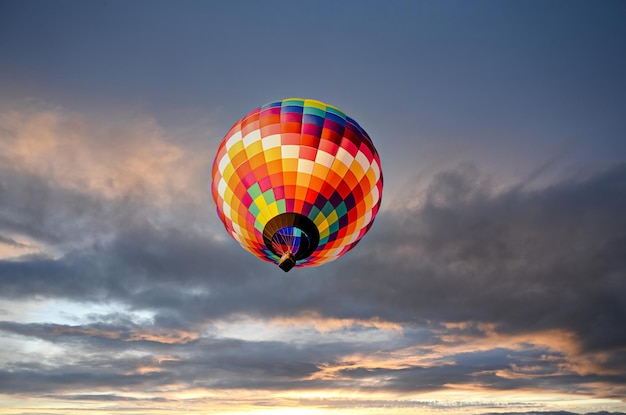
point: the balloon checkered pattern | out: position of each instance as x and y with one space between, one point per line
303 157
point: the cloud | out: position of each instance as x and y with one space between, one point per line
538 259
110 160
459 287
548 258
69 180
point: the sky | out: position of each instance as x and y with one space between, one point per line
492 280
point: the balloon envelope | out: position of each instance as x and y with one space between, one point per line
297 182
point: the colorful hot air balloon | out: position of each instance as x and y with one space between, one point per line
297 182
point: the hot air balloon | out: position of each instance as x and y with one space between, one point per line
297 182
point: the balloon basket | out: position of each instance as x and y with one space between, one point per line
287 261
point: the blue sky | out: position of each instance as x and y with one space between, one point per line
490 282
485 76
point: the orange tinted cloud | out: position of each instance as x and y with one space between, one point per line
111 160
326 324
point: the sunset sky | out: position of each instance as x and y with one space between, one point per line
492 281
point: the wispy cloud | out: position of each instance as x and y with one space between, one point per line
109 160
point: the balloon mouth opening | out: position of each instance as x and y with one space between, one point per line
292 237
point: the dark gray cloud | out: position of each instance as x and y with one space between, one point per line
524 260
33 206
546 258
12 242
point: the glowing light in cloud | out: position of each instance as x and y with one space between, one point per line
86 155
